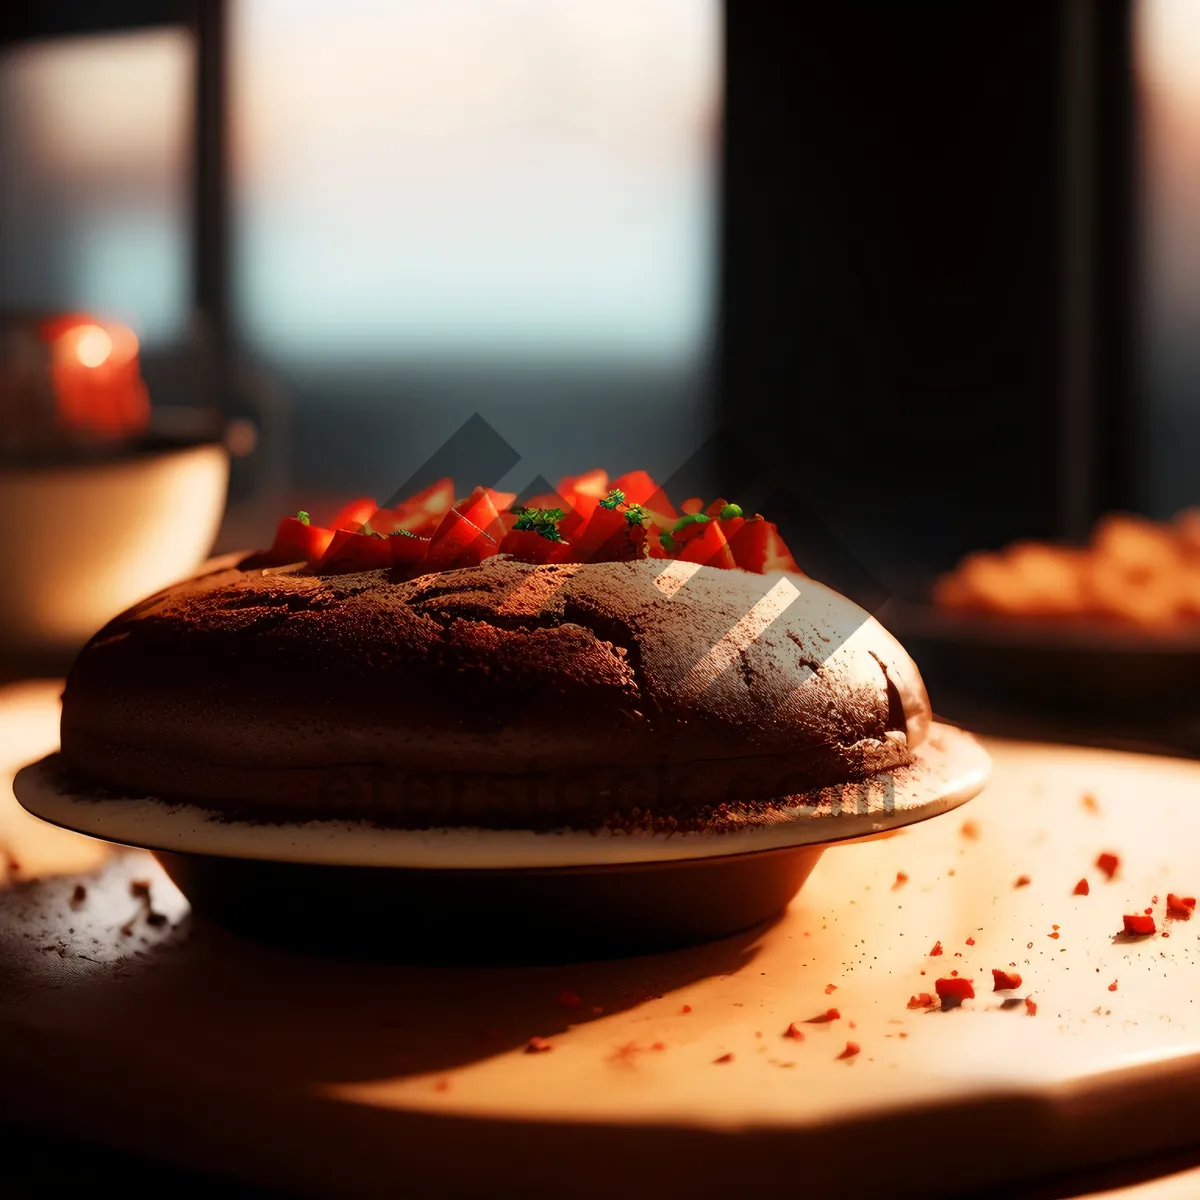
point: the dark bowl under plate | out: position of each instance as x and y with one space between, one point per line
517 915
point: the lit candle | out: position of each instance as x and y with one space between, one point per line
97 382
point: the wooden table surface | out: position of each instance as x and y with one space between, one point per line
164 1036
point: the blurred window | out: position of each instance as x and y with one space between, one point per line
95 138
500 180
1168 69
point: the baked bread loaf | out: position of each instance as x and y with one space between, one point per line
643 694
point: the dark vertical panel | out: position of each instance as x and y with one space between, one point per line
210 261
893 318
1118 331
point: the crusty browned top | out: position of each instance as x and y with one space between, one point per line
505 668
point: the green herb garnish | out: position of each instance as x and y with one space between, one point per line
668 542
690 519
542 521
303 517
730 511
615 497
635 514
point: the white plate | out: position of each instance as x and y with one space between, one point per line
950 768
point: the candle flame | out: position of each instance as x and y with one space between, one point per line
93 346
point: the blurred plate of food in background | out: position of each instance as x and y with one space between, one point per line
1110 627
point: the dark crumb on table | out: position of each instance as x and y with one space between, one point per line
78 896
538 1045
139 889
725 1058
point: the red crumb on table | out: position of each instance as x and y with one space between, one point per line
1022 881
1108 863
970 941
970 830
538 1045
1031 1006
937 949
1089 802
568 999
1112 987
658 1045
852 1048
687 1008
830 987
1180 907
830 1014
1081 888
1053 934
794 1032
921 1000
1004 981
1138 923
725 1058
901 880
954 991
442 1085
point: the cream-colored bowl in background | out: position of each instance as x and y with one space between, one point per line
81 543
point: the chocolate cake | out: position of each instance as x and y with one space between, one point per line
509 695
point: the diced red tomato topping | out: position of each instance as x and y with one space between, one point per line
1138 924
607 537
355 515
422 513
356 552
794 1032
708 547
1180 907
954 991
480 509
1031 1006
457 542
921 1000
757 547
1112 987
692 505
447 533
407 548
297 541
1108 863
526 545
1005 981
1081 888
852 1048
937 949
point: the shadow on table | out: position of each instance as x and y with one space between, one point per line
96 969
